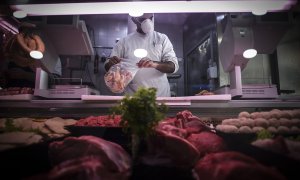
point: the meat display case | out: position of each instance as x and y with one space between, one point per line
215 107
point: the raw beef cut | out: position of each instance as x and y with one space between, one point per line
170 150
207 142
112 156
195 126
173 130
233 166
184 114
184 120
83 168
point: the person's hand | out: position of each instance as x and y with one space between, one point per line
147 63
114 60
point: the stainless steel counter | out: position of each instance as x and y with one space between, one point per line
81 108
194 104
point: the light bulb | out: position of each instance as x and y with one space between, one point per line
250 53
135 13
19 14
36 54
140 53
259 12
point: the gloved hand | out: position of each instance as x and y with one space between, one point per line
147 63
114 60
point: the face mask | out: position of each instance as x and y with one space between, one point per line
147 26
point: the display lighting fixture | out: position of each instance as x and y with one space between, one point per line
140 53
135 13
19 14
36 54
249 53
154 7
259 12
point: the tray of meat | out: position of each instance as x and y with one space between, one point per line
100 121
106 126
16 93
113 134
17 97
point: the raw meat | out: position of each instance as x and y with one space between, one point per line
233 166
274 122
184 115
20 138
184 123
247 122
196 126
233 122
280 145
83 168
16 91
23 123
173 130
56 126
227 128
245 129
207 142
170 150
272 129
275 145
257 129
111 155
244 114
107 121
261 122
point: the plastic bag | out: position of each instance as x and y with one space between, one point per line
119 76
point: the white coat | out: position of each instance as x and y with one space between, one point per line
159 48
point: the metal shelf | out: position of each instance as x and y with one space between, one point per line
78 108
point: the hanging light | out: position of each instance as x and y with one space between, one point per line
259 12
135 13
36 54
249 53
140 53
19 14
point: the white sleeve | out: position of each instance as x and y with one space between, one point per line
168 53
